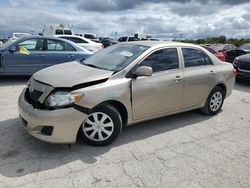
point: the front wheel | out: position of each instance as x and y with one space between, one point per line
214 101
102 126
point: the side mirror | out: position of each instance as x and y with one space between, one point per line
13 49
143 71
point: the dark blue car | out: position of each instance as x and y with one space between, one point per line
33 53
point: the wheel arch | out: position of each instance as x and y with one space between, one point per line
223 87
118 106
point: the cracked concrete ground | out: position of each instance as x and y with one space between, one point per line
185 150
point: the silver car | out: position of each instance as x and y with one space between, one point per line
122 85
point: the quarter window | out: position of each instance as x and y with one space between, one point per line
162 60
195 57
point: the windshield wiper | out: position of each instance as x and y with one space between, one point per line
91 65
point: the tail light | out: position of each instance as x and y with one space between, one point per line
234 72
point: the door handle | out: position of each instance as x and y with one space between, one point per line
71 55
177 79
212 73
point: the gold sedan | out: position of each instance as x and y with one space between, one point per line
122 85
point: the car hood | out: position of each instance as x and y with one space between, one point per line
72 74
244 57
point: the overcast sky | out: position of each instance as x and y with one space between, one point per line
158 18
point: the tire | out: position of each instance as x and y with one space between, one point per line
214 101
102 126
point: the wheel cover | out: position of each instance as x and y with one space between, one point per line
216 101
98 126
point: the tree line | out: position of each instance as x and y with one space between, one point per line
215 40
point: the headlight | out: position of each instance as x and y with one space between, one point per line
61 99
235 61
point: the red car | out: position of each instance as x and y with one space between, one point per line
220 55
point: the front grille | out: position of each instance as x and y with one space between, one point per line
32 100
244 65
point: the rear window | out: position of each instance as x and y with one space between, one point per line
89 36
133 39
75 39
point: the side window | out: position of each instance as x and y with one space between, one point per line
77 40
161 60
195 57
122 39
32 44
68 47
67 32
59 32
55 45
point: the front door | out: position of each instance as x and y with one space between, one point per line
24 63
161 92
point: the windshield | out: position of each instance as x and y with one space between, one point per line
245 47
116 57
11 42
6 44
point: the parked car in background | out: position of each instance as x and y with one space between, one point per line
245 47
241 50
242 65
33 53
127 39
107 41
232 54
224 48
83 42
16 36
89 36
150 39
57 30
122 85
219 55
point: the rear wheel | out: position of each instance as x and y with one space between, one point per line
102 126
214 101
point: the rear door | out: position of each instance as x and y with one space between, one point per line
161 92
21 63
58 51
199 74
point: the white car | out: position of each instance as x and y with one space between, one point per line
16 36
83 42
89 36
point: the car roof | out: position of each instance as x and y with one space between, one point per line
55 38
74 36
162 43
